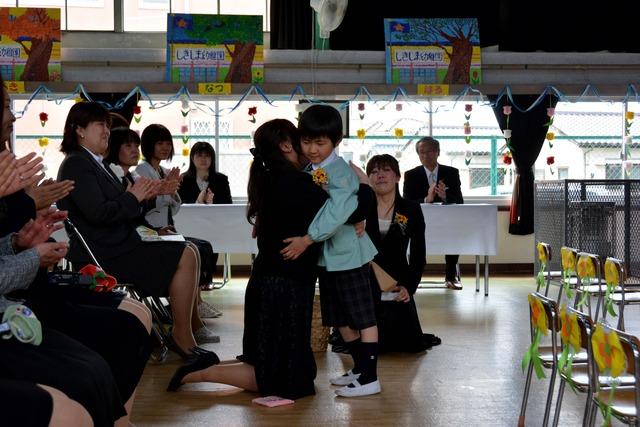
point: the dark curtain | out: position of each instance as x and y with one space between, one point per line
528 132
291 24
511 25
112 98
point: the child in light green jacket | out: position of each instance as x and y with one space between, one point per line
345 293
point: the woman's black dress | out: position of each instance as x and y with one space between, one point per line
279 296
399 327
65 364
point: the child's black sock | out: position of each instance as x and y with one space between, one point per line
355 349
368 362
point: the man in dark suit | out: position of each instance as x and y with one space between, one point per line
432 182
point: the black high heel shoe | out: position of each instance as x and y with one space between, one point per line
196 362
173 346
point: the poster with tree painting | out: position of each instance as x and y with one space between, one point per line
214 48
30 44
432 51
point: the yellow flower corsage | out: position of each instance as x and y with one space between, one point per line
320 177
401 220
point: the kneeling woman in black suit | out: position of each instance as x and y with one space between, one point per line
106 214
395 225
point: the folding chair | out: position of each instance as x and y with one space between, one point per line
589 272
577 326
543 319
623 401
623 295
158 311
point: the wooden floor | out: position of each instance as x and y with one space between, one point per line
473 378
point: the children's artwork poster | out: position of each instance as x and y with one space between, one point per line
214 48
439 50
30 44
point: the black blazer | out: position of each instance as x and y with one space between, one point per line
392 249
416 184
218 184
104 213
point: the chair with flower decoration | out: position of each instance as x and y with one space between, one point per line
589 272
614 354
545 275
620 293
543 319
576 329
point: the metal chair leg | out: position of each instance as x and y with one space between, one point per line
587 409
527 386
547 409
556 415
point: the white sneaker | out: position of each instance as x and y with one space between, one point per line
208 311
359 390
344 379
205 335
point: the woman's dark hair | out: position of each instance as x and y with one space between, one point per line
151 135
321 120
201 147
267 160
381 161
120 136
80 115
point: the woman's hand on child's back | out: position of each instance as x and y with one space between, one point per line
297 245
362 177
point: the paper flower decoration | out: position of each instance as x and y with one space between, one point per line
551 160
43 142
44 117
568 259
611 273
252 113
551 111
468 108
320 177
551 136
507 159
538 315
137 113
468 155
361 133
185 104
78 99
467 128
185 152
506 110
184 129
361 106
543 256
101 281
586 268
398 107
399 132
569 329
507 133
608 351
629 115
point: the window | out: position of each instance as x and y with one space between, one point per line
84 15
614 171
151 15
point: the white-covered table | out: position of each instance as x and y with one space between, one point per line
469 229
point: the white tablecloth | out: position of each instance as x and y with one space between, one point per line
470 229
225 226
450 229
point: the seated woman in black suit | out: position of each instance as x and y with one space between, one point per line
202 184
395 225
106 214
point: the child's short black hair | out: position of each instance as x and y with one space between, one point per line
321 120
